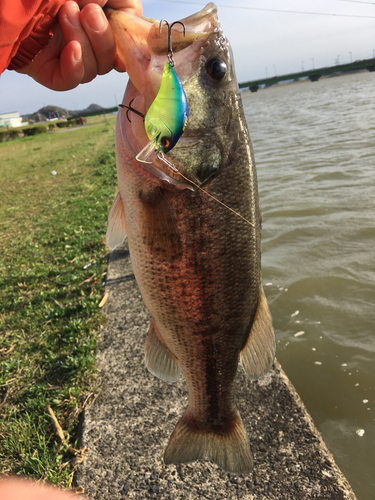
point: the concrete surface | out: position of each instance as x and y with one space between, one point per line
128 426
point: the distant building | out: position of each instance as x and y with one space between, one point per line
11 120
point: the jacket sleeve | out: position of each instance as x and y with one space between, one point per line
25 29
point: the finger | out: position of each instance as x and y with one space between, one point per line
72 30
101 37
71 70
64 73
130 6
57 67
14 489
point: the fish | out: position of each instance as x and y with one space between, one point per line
193 225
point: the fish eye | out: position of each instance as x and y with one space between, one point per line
216 68
166 143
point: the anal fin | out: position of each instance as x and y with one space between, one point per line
259 352
159 359
116 229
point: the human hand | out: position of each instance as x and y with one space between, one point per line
82 47
20 489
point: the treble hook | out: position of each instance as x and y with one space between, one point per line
170 50
129 108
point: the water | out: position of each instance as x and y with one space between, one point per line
315 152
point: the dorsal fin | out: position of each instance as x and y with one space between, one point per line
259 352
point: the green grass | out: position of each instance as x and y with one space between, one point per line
52 264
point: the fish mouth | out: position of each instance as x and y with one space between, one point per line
132 134
142 44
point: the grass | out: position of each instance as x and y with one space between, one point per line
56 193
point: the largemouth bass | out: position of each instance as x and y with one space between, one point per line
194 246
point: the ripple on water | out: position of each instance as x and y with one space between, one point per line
314 148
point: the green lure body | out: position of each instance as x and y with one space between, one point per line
167 116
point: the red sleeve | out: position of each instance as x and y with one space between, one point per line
25 28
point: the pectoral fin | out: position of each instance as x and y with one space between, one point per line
116 229
259 352
159 359
160 231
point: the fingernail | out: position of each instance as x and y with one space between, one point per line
96 20
77 53
73 16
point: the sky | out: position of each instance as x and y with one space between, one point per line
265 42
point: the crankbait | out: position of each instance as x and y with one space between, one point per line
167 117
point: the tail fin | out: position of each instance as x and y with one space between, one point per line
228 447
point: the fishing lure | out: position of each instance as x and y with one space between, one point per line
167 117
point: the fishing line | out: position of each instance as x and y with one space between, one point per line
172 167
278 10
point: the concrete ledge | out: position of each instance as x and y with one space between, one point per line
128 426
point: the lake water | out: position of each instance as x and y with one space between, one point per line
314 147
